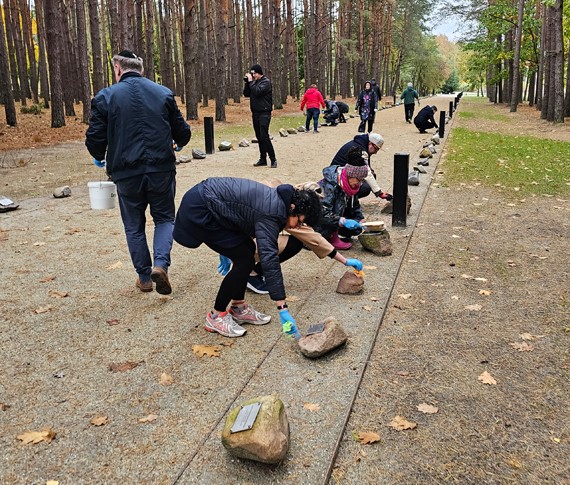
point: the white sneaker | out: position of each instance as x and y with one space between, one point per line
247 314
224 325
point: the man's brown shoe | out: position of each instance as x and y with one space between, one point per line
144 287
160 277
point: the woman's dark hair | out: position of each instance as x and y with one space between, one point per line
307 203
354 157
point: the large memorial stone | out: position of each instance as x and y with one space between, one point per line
377 242
301 129
350 284
268 439
292 131
321 343
198 154
61 192
225 146
426 153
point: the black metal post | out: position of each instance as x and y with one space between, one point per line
455 102
441 124
400 201
451 109
209 134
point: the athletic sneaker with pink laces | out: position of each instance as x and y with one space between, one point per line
247 314
223 324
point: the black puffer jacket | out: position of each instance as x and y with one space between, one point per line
341 157
336 203
260 94
132 126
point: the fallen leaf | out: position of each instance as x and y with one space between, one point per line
368 437
122 366
42 309
485 292
367 308
39 244
47 435
400 423
483 280
370 267
148 419
45 279
427 408
467 276
454 297
529 336
522 346
52 482
4 406
99 421
166 379
556 440
58 294
209 350
455 236
311 406
73 230
227 343
404 296
486 378
474 308
116 265
293 298
373 298
113 321
514 463
164 298
360 274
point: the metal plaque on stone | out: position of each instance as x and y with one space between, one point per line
315 328
246 417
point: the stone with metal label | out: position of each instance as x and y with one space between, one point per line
318 344
377 242
61 192
264 438
350 284
244 143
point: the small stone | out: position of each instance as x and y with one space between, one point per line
283 132
435 139
292 131
198 154
254 140
61 192
352 116
244 143
420 169
350 284
414 178
183 159
225 146
319 344
301 129
388 208
378 242
268 440
432 149
426 153
424 162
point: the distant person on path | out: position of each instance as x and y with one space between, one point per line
409 96
133 126
227 214
313 102
342 110
260 93
425 119
376 89
366 106
331 114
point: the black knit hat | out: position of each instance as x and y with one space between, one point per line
129 54
257 68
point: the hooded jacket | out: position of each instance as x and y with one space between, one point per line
260 94
409 95
132 125
312 99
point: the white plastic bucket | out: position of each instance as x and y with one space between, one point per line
102 195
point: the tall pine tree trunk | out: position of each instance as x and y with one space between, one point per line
96 55
190 49
43 69
53 29
517 58
83 66
6 94
221 59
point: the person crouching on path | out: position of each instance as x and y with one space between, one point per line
341 208
133 125
424 120
312 101
226 214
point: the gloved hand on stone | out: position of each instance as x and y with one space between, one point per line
351 224
354 263
288 324
99 163
225 265
385 195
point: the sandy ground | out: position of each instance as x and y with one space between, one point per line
56 362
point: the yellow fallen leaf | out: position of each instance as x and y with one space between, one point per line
293 298
486 378
369 267
209 350
166 379
47 435
522 346
116 265
45 279
529 336
482 280
405 296
514 463
400 423
556 440
52 482
373 298
122 366
58 294
427 408
368 437
360 274
148 419
467 276
454 297
311 406
99 421
485 292
473 308
42 309
39 244
367 308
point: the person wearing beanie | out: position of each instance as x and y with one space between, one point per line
312 101
366 105
425 119
409 96
133 127
376 89
370 144
260 93
341 208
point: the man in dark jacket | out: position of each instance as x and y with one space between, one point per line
342 110
331 114
133 125
424 120
227 214
376 89
260 93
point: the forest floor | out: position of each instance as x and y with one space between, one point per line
461 335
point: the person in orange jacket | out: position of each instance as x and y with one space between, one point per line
313 100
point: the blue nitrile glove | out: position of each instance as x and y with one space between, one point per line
354 263
289 326
175 146
225 265
351 224
100 164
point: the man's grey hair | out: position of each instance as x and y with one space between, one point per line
128 63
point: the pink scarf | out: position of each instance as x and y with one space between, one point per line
343 181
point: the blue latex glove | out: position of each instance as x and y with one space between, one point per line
352 224
175 146
100 164
288 324
354 263
225 265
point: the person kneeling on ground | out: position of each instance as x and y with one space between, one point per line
342 110
226 214
424 119
341 208
331 114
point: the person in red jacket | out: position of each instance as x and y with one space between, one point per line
313 101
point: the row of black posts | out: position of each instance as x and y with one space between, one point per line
401 164
401 168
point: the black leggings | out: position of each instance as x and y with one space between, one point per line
234 284
292 248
